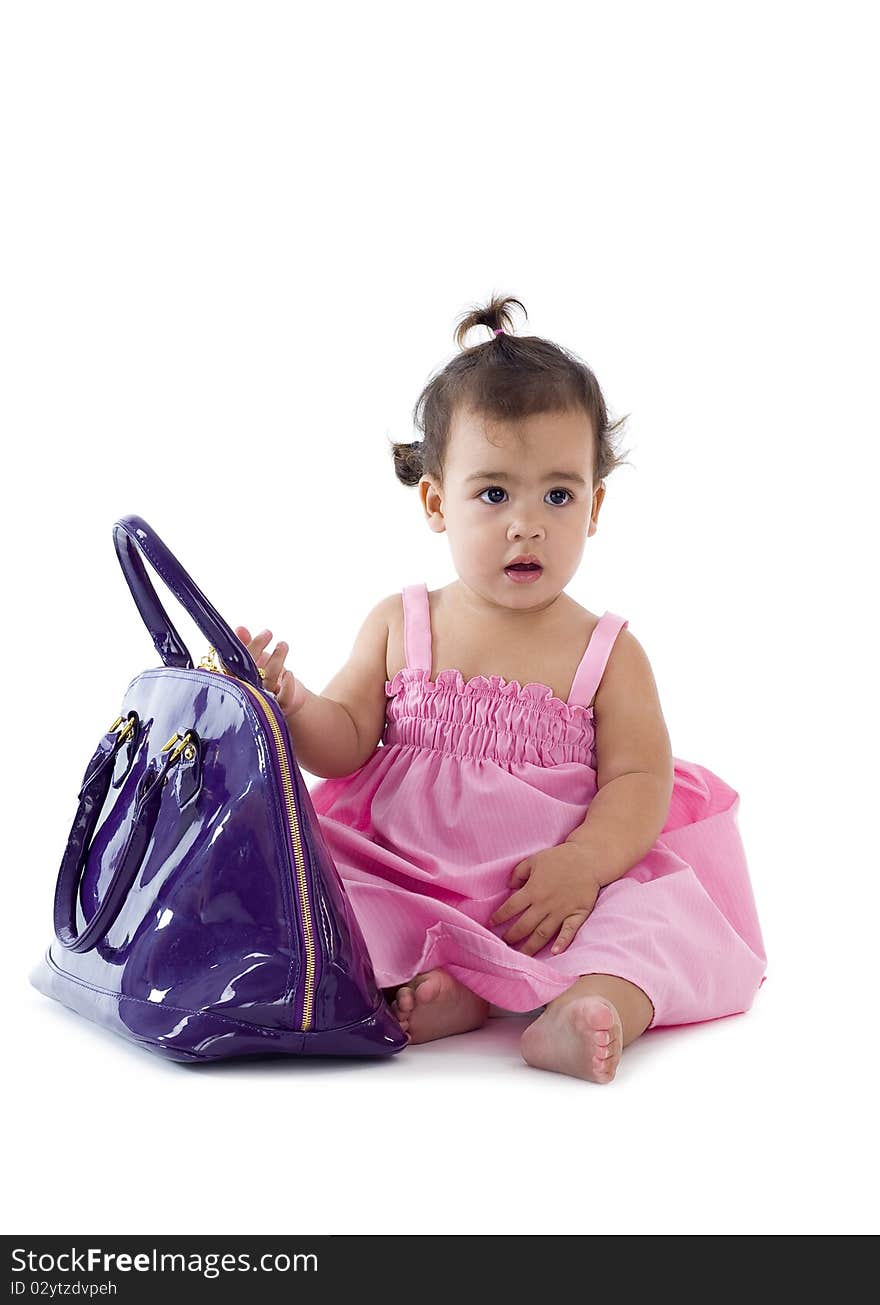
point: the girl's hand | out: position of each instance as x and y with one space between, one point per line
557 889
290 694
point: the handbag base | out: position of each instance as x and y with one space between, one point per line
198 1036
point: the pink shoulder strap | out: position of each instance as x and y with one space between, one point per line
417 627
588 675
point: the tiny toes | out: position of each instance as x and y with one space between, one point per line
428 989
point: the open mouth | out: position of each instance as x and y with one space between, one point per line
523 572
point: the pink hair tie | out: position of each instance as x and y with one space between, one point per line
499 330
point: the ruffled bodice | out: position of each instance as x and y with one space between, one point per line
487 718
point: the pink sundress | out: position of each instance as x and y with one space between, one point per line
472 776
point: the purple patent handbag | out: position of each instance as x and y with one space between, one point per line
197 910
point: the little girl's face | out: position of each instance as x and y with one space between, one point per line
516 488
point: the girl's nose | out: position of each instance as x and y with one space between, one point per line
524 530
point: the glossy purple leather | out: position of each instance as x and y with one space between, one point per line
197 909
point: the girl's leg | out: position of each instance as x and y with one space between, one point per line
583 1031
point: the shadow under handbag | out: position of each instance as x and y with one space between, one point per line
198 911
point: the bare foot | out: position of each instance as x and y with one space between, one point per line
583 1037
434 1005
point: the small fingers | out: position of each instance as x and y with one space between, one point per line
285 693
257 647
524 926
275 665
272 664
255 643
512 906
540 938
569 928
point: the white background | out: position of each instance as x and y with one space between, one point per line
236 242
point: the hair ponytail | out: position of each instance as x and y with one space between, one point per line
506 377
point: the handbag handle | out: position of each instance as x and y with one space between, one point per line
148 798
133 537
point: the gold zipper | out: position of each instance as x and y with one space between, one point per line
209 663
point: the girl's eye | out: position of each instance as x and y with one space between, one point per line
493 488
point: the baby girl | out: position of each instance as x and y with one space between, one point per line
498 792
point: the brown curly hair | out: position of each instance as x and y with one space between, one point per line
507 377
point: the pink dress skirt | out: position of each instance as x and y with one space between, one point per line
472 776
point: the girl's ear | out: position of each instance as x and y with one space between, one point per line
598 497
432 502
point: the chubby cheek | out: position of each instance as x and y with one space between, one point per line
572 538
474 541
575 543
